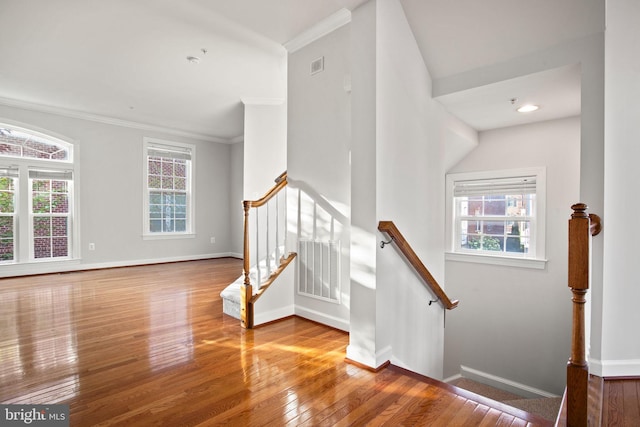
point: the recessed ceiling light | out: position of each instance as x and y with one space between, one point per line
527 108
193 59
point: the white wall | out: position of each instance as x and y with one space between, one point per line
364 345
398 157
620 316
412 155
236 210
318 159
111 194
589 53
265 145
515 322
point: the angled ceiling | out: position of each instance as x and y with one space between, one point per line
127 60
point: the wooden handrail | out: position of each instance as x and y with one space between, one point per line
393 232
247 298
581 227
281 182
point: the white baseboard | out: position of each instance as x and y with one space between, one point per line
270 316
27 269
503 383
452 378
364 357
325 319
615 368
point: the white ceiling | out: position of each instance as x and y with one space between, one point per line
126 59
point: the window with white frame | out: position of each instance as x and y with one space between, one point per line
497 214
168 208
36 197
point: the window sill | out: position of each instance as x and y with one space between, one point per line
538 264
168 236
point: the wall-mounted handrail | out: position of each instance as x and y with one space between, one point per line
404 247
247 296
581 227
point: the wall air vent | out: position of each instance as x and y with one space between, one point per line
317 65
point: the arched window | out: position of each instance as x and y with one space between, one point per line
36 196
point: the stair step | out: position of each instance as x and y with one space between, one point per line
545 407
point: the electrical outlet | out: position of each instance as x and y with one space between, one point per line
92 246
213 240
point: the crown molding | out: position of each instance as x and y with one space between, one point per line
109 120
321 29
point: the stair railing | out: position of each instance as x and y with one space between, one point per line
404 247
269 237
581 227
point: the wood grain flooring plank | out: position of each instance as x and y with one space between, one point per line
631 403
415 390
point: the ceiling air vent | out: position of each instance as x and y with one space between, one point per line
317 65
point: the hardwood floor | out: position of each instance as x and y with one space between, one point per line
150 346
621 402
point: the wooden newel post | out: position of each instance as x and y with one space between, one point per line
577 368
246 291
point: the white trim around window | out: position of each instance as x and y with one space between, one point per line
182 225
527 181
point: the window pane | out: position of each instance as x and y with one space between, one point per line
154 181
7 184
155 225
41 227
155 198
180 183
60 248
167 167
6 227
494 205
7 195
167 182
41 203
59 186
6 250
181 168
493 227
60 203
9 149
16 143
155 211
6 238
472 242
59 226
492 243
514 244
42 247
154 166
